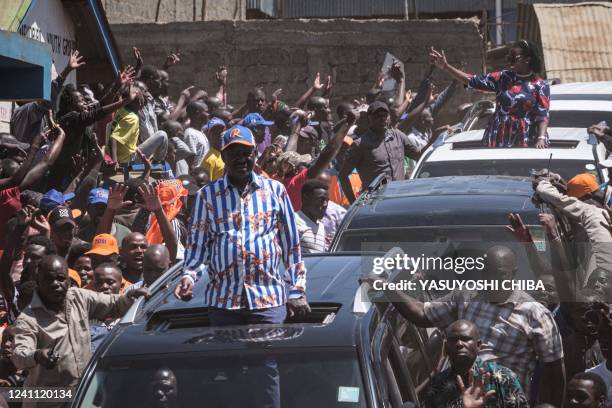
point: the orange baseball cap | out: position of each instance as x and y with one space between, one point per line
581 185
103 244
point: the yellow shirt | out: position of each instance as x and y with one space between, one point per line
126 130
213 163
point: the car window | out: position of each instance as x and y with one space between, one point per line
578 118
511 167
296 378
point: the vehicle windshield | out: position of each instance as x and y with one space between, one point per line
578 119
443 241
509 167
295 378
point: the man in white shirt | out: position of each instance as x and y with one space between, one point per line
334 214
194 138
309 220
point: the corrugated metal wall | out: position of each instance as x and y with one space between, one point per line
576 40
342 8
450 6
395 8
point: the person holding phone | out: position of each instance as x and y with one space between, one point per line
522 97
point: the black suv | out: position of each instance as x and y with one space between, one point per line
457 214
345 353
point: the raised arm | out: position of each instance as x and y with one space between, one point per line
221 77
298 120
316 85
330 150
561 271
36 173
438 58
153 204
115 203
420 103
522 234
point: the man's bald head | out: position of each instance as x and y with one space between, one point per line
500 262
156 262
163 392
53 281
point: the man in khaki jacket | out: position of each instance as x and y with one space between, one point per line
590 224
52 339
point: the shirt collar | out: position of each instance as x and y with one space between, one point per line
256 181
37 303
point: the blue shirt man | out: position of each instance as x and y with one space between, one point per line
243 226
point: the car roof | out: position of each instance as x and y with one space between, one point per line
332 279
573 104
582 151
583 88
440 201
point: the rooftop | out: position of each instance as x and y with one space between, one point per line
449 151
332 282
439 201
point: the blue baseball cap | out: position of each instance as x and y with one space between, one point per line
98 196
255 119
215 122
52 199
238 134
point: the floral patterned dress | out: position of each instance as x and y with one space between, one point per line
520 105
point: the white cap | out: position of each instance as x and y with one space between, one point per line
606 163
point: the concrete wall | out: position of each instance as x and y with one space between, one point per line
168 11
287 54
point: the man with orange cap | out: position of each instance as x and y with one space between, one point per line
104 250
590 223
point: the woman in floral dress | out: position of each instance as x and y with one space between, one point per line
522 97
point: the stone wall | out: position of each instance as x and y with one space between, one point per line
169 11
288 53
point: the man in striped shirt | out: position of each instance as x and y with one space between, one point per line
242 226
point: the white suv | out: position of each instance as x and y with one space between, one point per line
463 154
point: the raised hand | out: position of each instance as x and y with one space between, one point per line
172 59
221 75
24 216
116 197
474 396
317 82
75 60
276 94
137 56
518 228
186 93
40 224
437 58
395 71
127 75
150 198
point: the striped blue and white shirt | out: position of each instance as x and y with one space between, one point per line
243 240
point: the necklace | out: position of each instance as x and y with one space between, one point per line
525 75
